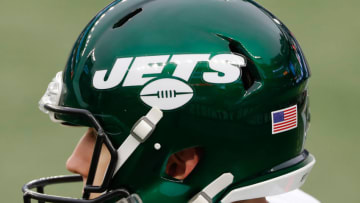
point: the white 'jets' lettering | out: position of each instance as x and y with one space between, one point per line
144 65
186 63
227 64
115 77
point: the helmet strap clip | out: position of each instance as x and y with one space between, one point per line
139 133
214 188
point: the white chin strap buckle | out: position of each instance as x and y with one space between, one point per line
139 133
142 129
214 188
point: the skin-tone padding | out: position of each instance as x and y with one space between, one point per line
182 163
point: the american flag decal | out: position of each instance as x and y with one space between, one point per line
284 119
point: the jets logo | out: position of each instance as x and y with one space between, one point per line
174 92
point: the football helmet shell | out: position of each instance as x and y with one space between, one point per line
217 70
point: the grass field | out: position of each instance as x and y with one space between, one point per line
36 38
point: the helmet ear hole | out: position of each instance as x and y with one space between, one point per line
182 163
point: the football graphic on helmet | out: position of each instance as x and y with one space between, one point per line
166 94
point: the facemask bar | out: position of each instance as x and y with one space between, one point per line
102 138
89 188
42 198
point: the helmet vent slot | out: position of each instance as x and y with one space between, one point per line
247 77
123 20
249 72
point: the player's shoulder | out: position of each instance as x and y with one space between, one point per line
296 196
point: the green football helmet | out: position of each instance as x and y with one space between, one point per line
157 77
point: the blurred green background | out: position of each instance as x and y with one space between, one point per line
36 38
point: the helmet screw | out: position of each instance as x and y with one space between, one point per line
157 146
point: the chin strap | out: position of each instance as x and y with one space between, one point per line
140 132
214 188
